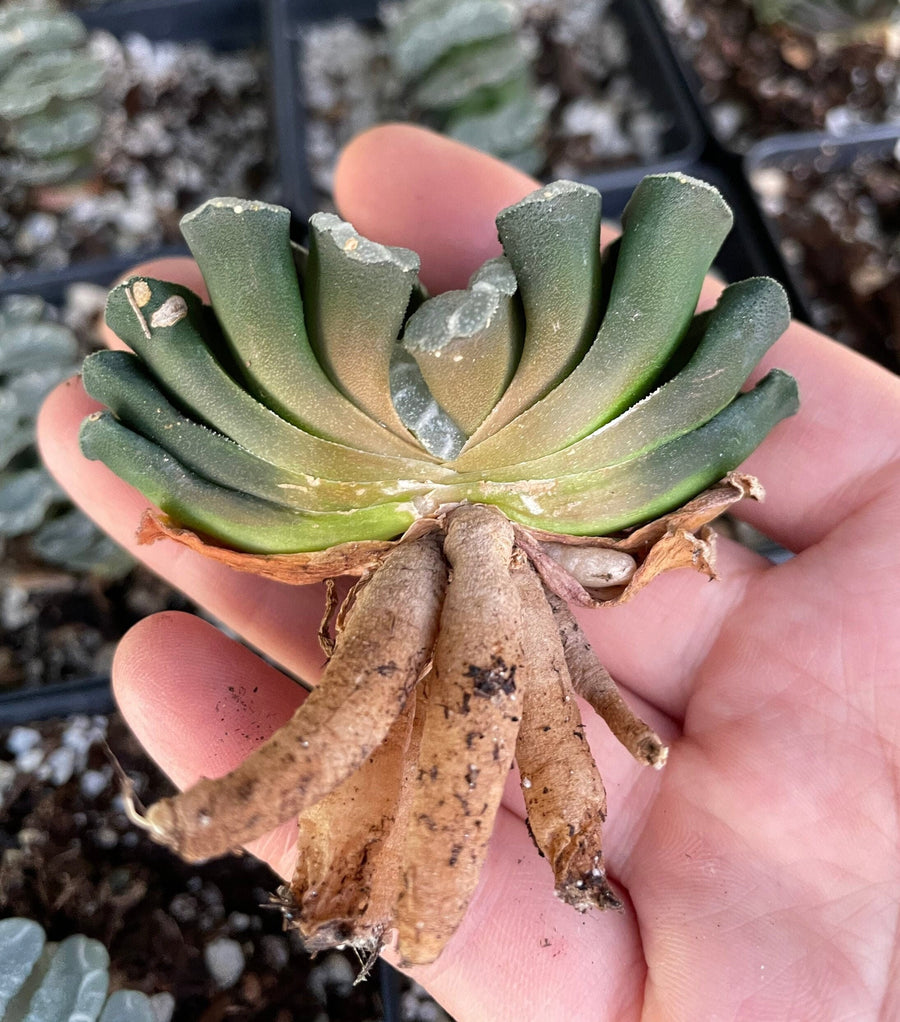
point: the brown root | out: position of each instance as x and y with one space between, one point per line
397 805
564 794
379 657
594 684
472 717
346 881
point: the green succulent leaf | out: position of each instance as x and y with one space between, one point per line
30 28
428 30
552 240
356 294
244 252
119 380
239 519
48 133
176 352
635 491
574 389
672 229
467 344
466 69
749 317
467 74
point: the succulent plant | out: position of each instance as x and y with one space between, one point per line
66 982
524 432
467 70
36 353
48 84
827 16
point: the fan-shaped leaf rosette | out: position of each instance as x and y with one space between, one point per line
527 432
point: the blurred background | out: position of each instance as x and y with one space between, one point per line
118 117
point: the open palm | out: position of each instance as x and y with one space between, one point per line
760 869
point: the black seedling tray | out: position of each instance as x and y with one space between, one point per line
51 285
222 24
655 72
85 695
823 153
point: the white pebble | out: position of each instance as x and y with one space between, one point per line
106 837
21 739
238 922
30 760
61 765
93 782
163 1006
224 961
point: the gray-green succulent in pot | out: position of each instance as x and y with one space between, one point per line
467 69
49 83
843 17
563 429
37 352
66 981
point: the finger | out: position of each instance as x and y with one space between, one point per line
521 953
199 703
654 645
178 269
403 185
278 618
822 465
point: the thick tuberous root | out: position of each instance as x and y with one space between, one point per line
454 656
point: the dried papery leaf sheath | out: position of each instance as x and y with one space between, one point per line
516 438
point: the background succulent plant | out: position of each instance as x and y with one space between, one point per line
48 82
36 353
68 981
511 433
827 16
467 69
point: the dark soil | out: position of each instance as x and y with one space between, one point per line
840 232
56 626
73 862
758 80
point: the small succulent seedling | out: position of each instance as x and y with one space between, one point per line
65 982
521 438
829 17
468 71
49 117
36 353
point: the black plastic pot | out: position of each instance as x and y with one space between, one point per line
718 145
655 71
51 285
85 695
223 25
822 154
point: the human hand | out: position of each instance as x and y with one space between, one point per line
760 868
